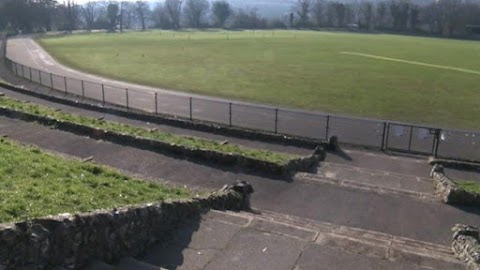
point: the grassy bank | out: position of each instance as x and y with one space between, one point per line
191 142
471 186
414 79
34 183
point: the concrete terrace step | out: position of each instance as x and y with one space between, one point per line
97 265
127 263
395 163
133 264
380 189
360 241
371 179
222 240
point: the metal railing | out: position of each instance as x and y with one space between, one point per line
384 135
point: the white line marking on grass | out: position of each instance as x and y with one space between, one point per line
464 70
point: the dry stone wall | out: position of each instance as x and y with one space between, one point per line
466 245
449 192
72 241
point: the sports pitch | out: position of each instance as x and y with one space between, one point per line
413 79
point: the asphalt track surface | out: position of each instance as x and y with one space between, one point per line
358 131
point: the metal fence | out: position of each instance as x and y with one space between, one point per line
384 135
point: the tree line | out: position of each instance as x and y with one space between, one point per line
449 18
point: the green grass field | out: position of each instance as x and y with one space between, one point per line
414 79
34 183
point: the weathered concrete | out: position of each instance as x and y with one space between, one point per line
275 241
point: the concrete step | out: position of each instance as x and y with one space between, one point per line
98 265
133 264
377 188
353 240
371 179
399 163
221 240
374 171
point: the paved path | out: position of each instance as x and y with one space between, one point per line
163 128
404 216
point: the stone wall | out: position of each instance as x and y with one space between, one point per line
72 241
252 164
449 192
456 164
3 45
466 245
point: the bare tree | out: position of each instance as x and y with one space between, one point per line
174 9
414 17
340 13
88 11
195 10
142 11
448 15
161 17
129 11
366 15
400 11
112 13
221 11
381 15
71 16
319 10
302 9
330 14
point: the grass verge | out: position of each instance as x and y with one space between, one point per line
34 183
470 186
190 142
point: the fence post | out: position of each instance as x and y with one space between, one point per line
51 81
384 135
327 128
40 76
276 120
103 94
156 103
410 139
30 73
387 136
126 96
83 90
65 81
438 133
230 114
191 109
